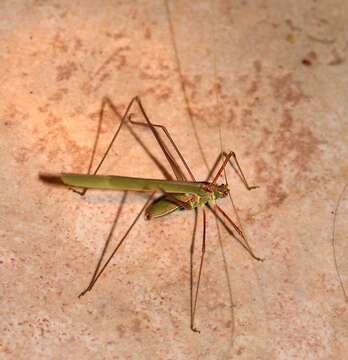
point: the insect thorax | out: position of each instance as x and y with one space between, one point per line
212 192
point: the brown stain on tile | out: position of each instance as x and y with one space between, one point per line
161 93
157 70
337 58
21 155
310 58
284 137
117 60
147 33
117 57
48 145
253 88
287 140
156 76
306 62
121 329
78 44
136 326
200 98
12 112
64 72
255 83
292 144
58 95
287 90
116 35
51 120
59 44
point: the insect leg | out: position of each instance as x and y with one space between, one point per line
123 120
227 228
170 158
118 214
237 168
98 273
194 303
246 245
192 250
167 134
226 158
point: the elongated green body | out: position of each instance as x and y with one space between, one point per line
111 182
178 194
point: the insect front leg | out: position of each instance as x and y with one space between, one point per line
236 168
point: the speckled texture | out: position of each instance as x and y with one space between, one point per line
274 76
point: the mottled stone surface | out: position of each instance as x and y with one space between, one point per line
273 76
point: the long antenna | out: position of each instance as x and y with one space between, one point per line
183 87
333 243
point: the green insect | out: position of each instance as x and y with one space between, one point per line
176 194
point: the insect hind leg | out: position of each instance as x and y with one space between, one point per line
152 126
123 119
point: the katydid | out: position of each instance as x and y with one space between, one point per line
176 194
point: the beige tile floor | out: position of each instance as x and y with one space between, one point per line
273 75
